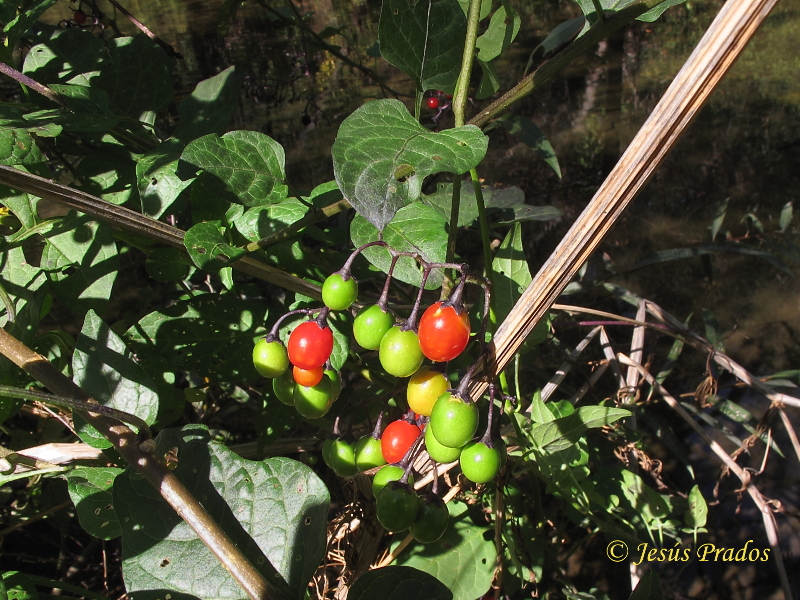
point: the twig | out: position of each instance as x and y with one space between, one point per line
31 83
565 368
143 28
125 218
722 43
787 424
763 505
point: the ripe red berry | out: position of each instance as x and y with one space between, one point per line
397 438
433 103
310 345
443 333
79 17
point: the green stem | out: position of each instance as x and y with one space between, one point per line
455 207
484 223
462 86
528 84
601 15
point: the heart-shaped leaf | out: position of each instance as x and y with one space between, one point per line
381 156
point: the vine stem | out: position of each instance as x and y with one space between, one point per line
462 85
141 458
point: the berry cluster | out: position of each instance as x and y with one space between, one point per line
441 420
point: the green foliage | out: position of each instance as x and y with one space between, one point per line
275 510
183 201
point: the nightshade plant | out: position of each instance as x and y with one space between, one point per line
211 217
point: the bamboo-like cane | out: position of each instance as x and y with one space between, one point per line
722 43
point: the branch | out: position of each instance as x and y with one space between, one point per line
138 223
140 457
34 85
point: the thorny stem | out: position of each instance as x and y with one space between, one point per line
64 402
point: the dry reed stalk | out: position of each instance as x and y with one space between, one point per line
722 43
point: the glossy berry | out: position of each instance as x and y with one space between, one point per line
307 377
315 401
270 358
397 438
339 456
370 325
397 507
431 521
79 16
479 463
283 387
437 451
424 388
433 103
339 293
399 353
453 421
310 345
368 453
443 333
385 476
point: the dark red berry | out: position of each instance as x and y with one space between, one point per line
433 103
80 17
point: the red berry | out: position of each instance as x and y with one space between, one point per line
397 438
79 17
307 377
433 103
310 345
443 333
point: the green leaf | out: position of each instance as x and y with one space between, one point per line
104 368
16 146
246 167
560 36
260 221
90 492
18 586
511 273
648 588
697 515
167 264
540 413
490 80
109 172
530 134
562 433
206 111
208 247
138 78
19 25
503 28
382 155
611 6
415 228
785 218
210 106
211 336
486 8
425 40
701 249
462 559
274 510
712 330
71 55
719 217
398 583
81 261
504 203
